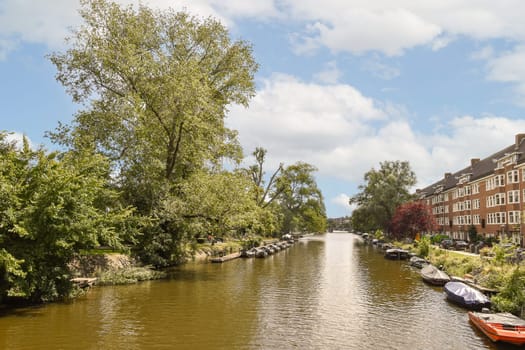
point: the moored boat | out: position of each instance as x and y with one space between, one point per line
260 253
504 327
466 296
433 275
418 262
397 254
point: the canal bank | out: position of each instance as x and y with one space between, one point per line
324 292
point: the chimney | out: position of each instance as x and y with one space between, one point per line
474 161
519 138
447 175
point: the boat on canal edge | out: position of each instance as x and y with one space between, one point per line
466 296
503 327
434 276
397 254
418 262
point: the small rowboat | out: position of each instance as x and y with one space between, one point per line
433 275
504 327
418 262
466 296
397 254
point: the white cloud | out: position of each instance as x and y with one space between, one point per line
355 26
36 21
392 27
18 139
484 53
381 70
341 200
302 121
441 42
48 22
329 75
345 134
508 67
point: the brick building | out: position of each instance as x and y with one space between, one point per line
489 194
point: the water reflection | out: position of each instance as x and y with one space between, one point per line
327 292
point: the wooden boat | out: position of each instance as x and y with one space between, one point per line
466 296
433 275
504 327
418 262
397 254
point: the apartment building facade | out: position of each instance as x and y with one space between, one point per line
489 194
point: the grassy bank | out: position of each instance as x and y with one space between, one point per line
494 272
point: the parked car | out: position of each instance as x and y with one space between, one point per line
446 243
461 245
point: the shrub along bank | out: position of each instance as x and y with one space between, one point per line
495 270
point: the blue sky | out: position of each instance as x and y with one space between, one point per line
342 84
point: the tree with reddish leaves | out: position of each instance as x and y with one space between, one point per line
411 218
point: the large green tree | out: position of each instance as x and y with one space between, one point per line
384 190
301 200
53 205
156 86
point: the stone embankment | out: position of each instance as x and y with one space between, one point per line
91 265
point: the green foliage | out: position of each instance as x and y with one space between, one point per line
512 297
436 239
362 219
423 247
384 191
379 234
128 275
159 83
301 200
56 204
251 242
473 234
454 264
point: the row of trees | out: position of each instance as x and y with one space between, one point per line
148 163
385 202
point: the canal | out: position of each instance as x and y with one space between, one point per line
325 292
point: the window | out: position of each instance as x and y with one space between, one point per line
513 196
467 205
496 199
512 176
499 180
475 219
468 190
475 204
514 217
496 218
475 188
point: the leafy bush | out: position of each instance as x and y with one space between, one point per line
436 239
129 275
424 247
512 296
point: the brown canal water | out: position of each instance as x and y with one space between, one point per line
325 292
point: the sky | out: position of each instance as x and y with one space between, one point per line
342 84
